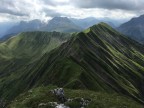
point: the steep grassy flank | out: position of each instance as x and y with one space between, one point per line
42 95
31 44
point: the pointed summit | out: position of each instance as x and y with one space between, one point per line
60 19
103 30
103 24
100 27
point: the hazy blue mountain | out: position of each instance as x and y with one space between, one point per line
134 28
4 26
90 21
86 22
115 22
61 24
7 36
24 26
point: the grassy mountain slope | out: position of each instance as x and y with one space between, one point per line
30 44
18 54
99 59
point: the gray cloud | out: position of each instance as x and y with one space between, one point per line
31 9
49 2
8 7
8 11
51 13
21 8
110 4
44 9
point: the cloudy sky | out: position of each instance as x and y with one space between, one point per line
16 10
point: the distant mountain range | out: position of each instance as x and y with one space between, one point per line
134 28
4 26
86 22
59 24
24 26
90 21
98 58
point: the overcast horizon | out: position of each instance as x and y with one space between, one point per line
17 10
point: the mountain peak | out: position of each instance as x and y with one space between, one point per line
136 20
134 28
104 24
142 16
61 19
62 24
100 27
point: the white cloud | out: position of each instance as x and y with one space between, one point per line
70 11
44 9
3 18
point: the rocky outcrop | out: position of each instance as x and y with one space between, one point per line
65 102
3 103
